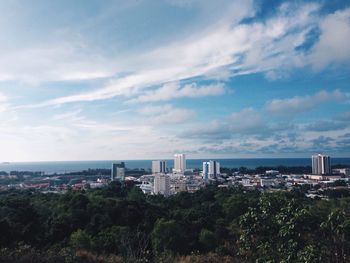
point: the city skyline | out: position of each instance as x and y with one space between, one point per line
131 80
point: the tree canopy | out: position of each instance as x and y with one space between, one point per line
120 224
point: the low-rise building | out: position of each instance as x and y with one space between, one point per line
146 187
272 172
267 182
322 177
344 171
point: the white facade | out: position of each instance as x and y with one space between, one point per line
211 170
158 167
161 184
321 164
179 163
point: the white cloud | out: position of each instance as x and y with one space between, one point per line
166 114
68 53
272 43
152 73
56 62
224 49
227 45
247 120
3 98
260 136
296 104
175 116
70 115
174 90
333 45
4 105
152 110
72 139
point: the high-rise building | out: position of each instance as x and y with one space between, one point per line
179 163
118 171
211 170
158 167
205 171
162 184
321 164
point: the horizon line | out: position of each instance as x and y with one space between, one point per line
160 159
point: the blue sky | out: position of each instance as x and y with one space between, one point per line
89 80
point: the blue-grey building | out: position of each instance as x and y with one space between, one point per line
118 171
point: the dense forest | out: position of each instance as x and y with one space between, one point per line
120 224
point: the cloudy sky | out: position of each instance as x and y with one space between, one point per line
143 79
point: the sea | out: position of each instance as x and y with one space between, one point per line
76 166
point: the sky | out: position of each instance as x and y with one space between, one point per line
144 79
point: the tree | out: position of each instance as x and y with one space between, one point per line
208 240
136 195
167 236
337 235
235 206
80 240
274 230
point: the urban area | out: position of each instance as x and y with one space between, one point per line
167 181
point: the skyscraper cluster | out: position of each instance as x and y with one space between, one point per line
164 183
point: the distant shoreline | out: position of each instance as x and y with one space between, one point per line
62 167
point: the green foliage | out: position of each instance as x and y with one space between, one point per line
120 224
309 255
282 229
80 240
337 235
167 236
207 239
111 240
136 195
